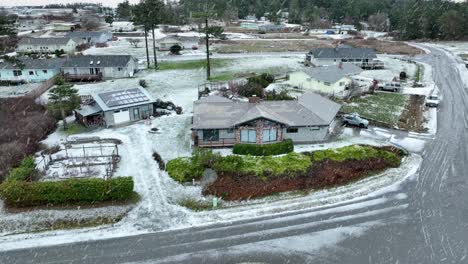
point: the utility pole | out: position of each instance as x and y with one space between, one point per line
207 39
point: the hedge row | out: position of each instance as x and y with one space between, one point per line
187 168
72 191
286 146
24 171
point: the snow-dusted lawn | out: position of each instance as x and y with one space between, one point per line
394 64
17 90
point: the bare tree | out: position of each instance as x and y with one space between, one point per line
90 23
134 42
379 22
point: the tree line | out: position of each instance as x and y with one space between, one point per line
412 19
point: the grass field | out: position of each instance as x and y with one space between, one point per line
382 107
192 64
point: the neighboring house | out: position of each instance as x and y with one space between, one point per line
45 45
220 122
249 25
271 27
98 67
116 108
29 70
64 27
123 26
332 80
90 37
362 57
166 43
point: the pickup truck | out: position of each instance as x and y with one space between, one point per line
432 101
391 87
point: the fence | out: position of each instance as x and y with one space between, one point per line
41 89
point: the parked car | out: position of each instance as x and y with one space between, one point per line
391 87
432 100
355 120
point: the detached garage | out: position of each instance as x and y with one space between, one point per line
116 108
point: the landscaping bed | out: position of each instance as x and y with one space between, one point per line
381 108
412 118
328 168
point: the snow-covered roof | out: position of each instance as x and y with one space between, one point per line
332 73
33 64
343 52
97 60
44 41
310 110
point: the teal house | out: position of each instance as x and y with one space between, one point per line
29 70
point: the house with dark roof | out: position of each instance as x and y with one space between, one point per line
116 108
99 67
25 70
90 37
184 42
45 45
344 54
331 80
220 122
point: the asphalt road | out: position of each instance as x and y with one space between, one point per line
425 222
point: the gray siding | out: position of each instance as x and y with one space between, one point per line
306 134
109 115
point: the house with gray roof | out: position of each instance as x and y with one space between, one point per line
184 42
90 37
332 80
344 54
45 45
220 122
116 108
26 70
99 67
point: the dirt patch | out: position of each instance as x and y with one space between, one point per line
412 117
323 174
393 47
265 45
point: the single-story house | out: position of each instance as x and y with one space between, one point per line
116 108
123 26
362 57
332 80
220 122
98 67
166 43
27 70
45 45
90 37
271 27
64 27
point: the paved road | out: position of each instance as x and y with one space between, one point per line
425 222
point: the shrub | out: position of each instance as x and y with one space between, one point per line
281 96
175 49
283 147
184 169
263 79
251 89
24 171
143 83
72 191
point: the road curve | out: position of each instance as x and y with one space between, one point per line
425 222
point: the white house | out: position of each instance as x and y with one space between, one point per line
94 67
90 37
332 80
122 26
166 43
45 45
344 54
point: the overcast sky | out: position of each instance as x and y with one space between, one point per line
112 3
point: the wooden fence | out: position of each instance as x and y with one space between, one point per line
41 89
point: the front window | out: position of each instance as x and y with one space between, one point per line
290 130
248 136
210 135
269 135
327 83
31 73
17 73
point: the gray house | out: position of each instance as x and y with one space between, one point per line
98 67
116 108
362 57
220 122
45 45
26 70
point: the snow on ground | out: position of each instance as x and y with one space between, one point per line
233 35
394 64
373 34
17 90
159 209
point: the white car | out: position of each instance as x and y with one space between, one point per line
355 120
391 87
432 100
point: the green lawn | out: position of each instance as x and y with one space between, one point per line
383 107
192 64
74 128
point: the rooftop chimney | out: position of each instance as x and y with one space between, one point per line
254 99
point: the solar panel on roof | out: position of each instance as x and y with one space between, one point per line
124 97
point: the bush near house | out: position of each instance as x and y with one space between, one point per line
72 191
279 148
24 171
187 168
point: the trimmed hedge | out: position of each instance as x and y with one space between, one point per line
186 169
286 146
72 191
24 171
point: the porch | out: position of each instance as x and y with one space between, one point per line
83 77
